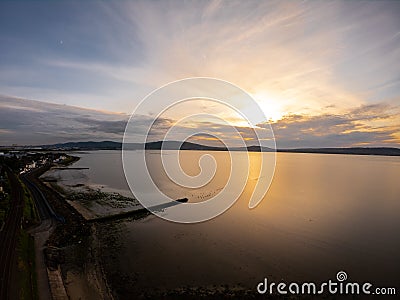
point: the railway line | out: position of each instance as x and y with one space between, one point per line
9 237
42 206
12 225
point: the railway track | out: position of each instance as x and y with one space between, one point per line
12 225
44 209
9 237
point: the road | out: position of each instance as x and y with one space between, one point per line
9 237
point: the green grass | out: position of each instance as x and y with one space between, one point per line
26 271
26 274
30 215
27 281
5 200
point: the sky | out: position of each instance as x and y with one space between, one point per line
325 73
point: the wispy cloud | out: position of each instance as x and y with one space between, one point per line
299 56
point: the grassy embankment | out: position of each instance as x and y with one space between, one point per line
4 200
26 270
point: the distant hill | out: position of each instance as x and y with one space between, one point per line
105 145
353 150
167 145
110 145
175 145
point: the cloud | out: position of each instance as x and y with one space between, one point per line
105 127
367 125
36 123
29 122
299 56
297 53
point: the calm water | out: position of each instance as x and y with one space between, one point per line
105 172
322 214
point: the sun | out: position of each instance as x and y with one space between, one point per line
272 107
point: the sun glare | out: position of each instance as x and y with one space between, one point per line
271 106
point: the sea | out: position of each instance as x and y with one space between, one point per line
321 214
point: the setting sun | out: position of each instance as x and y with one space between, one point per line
272 107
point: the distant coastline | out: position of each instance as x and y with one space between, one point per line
175 145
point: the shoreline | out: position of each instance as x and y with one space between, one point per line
75 234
